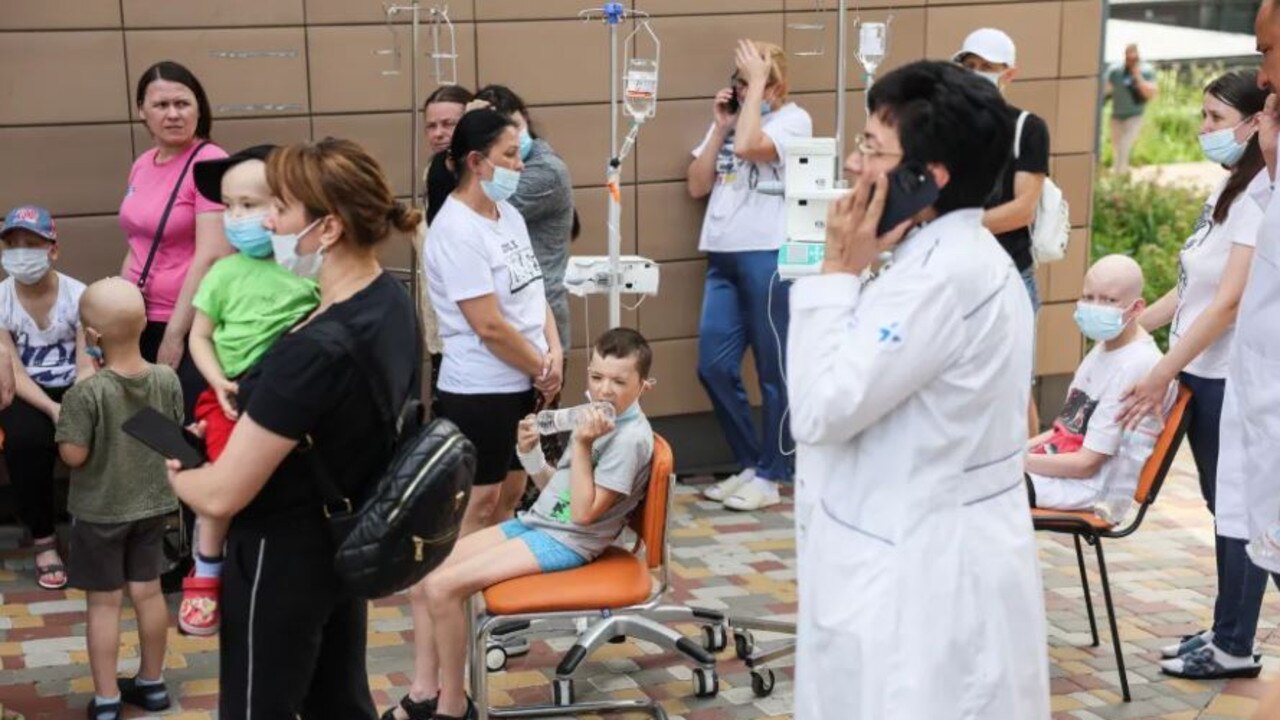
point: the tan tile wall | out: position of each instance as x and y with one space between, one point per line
283 70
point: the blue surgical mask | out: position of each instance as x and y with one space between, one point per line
503 185
1100 322
286 250
526 144
1221 146
26 265
765 107
248 235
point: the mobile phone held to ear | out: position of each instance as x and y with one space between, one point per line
165 437
911 189
734 105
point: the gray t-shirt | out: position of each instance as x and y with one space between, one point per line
123 480
545 201
621 461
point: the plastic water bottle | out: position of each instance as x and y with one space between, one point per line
1126 469
554 422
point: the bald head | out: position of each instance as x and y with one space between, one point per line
1117 279
114 309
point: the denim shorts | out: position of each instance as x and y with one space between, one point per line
551 554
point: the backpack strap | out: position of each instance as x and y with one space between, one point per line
1017 134
164 218
339 335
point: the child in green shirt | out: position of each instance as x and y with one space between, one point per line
119 496
244 303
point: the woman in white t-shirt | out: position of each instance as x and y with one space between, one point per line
501 349
40 315
1213 269
744 302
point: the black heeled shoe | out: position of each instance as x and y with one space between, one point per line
470 714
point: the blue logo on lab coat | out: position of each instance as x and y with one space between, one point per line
889 334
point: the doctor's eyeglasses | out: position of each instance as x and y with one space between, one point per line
863 147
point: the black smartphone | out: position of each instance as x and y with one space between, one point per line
734 105
166 437
911 189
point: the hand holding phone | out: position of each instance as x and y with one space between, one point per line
166 437
873 218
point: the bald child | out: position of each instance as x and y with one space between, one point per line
119 496
1066 465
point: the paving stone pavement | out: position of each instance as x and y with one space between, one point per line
1162 577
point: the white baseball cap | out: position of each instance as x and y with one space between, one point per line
989 44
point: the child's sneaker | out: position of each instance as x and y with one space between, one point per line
198 614
152 696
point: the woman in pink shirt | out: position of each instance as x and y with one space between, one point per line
171 248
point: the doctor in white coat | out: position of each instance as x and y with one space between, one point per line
920 593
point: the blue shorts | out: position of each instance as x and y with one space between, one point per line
551 554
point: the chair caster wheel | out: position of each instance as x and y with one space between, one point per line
705 683
744 643
562 692
714 638
495 657
762 683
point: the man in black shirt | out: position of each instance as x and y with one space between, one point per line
991 54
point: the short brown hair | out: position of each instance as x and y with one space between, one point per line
449 94
625 343
338 177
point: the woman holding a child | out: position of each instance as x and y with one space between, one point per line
174 234
1214 267
292 641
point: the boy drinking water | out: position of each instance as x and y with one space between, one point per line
584 505
245 302
119 495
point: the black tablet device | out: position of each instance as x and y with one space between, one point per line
166 437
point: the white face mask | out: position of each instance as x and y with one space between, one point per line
286 251
27 266
991 77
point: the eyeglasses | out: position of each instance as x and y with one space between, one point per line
866 151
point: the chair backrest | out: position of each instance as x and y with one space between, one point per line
1157 467
650 520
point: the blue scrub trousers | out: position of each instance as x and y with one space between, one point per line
742 296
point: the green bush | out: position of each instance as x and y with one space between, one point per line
1148 222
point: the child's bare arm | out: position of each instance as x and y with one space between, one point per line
587 500
24 387
206 360
1083 463
529 448
73 455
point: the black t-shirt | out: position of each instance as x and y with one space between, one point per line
1033 157
306 387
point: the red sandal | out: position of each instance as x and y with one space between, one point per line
44 571
198 614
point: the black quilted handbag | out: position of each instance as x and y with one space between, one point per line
409 521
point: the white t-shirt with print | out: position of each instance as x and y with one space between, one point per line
49 353
1200 266
470 256
738 218
1092 405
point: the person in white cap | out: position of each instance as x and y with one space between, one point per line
991 54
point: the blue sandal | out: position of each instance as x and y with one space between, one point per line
1202 665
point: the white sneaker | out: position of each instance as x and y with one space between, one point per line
756 495
729 485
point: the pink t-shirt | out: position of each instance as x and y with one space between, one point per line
144 201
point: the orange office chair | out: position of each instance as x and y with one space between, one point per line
618 589
1086 524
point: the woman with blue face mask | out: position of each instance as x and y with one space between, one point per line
744 302
501 348
1213 269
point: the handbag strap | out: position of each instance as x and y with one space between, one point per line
1017 135
164 218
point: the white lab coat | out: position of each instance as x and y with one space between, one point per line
1248 487
920 592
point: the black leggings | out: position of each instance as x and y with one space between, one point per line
188 374
29 457
292 643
